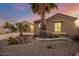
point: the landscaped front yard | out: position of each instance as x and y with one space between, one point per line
42 48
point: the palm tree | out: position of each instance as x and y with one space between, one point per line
41 9
17 27
22 28
26 27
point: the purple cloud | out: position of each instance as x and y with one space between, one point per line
21 7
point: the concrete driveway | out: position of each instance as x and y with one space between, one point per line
4 36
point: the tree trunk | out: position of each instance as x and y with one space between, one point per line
43 33
21 34
42 16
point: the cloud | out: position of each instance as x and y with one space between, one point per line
21 6
21 11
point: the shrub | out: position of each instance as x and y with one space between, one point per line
49 46
56 35
50 35
12 41
75 38
35 35
53 36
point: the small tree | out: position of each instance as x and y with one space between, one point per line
17 27
26 28
9 26
22 28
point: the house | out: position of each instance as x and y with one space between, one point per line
31 25
58 24
3 31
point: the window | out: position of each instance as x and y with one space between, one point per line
57 26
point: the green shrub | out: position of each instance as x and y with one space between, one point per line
53 36
49 46
56 35
12 41
75 38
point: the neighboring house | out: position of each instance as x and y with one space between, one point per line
31 25
3 31
58 24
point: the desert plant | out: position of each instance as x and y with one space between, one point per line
35 35
53 35
22 28
56 36
12 41
9 26
26 28
49 46
75 38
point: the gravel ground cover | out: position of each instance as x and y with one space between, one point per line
42 48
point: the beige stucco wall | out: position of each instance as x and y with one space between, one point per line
68 25
32 28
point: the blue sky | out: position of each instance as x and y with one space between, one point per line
19 12
14 12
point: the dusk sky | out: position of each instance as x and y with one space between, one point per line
20 12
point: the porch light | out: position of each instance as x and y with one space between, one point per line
31 27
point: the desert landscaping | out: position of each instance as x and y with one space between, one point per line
53 47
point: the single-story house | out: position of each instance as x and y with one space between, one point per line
3 31
58 23
31 26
